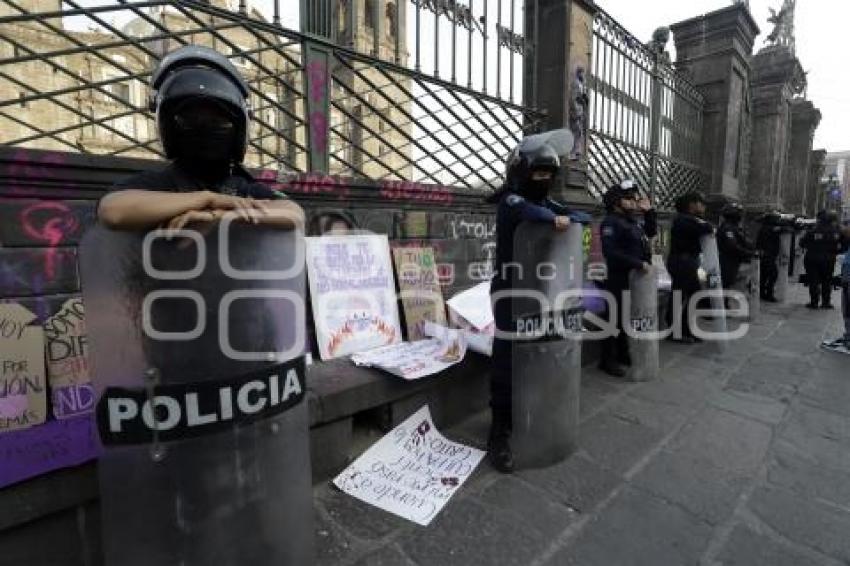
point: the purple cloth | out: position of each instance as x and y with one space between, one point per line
46 447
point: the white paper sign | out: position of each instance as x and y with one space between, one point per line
411 472
474 305
415 360
353 293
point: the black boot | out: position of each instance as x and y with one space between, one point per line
499 446
612 368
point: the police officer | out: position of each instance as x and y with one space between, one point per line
524 198
732 245
822 243
202 114
768 243
625 245
683 263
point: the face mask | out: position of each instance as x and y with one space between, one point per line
205 133
537 190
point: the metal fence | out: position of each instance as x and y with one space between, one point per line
356 91
645 119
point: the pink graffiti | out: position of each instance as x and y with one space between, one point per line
317 72
318 184
319 131
27 166
411 191
49 222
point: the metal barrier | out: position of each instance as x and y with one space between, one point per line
645 119
338 96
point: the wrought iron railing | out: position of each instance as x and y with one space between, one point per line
73 77
645 119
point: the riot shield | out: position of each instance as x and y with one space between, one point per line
783 262
749 283
643 325
711 265
547 314
197 348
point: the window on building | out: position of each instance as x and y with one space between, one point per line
391 15
369 16
122 91
21 96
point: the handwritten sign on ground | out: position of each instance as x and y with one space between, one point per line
415 360
421 297
412 472
67 361
23 385
353 293
55 444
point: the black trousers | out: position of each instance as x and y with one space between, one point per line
769 275
501 374
616 348
684 272
819 274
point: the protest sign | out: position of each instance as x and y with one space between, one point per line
411 472
472 312
23 385
353 293
67 361
415 360
421 297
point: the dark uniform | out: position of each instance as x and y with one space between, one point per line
625 245
683 263
513 209
734 249
823 243
769 242
179 177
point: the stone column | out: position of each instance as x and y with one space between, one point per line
561 38
804 121
776 77
817 165
714 51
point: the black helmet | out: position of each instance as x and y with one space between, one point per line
733 212
193 73
539 152
686 199
616 193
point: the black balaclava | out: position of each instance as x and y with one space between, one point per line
205 133
536 190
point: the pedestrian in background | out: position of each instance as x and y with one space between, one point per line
683 263
625 245
768 243
822 244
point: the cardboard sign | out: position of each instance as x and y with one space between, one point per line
421 296
415 360
23 384
71 390
411 472
353 294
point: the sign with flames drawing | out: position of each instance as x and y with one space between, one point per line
353 293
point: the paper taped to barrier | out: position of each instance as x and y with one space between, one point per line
411 472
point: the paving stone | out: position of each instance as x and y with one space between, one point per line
640 411
530 505
804 521
746 547
816 435
725 440
641 529
359 518
459 536
577 482
769 375
386 556
829 389
792 471
765 409
332 546
683 389
616 443
693 482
